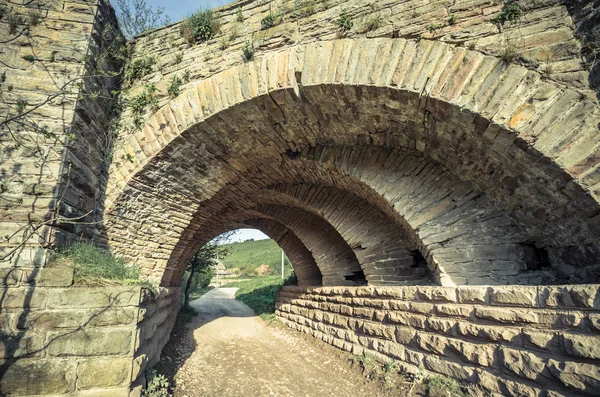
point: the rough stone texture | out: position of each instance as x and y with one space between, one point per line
515 355
58 340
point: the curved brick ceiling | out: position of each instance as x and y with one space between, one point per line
482 143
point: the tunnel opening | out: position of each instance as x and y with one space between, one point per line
418 260
536 258
357 278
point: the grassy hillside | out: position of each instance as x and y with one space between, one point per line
252 254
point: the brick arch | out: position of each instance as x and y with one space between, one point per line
499 127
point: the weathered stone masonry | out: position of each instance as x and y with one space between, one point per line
516 341
415 153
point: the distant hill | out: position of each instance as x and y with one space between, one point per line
249 255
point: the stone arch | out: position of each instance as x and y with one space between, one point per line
429 98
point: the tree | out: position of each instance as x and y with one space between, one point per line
136 17
203 261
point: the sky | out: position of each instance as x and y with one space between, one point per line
246 234
179 9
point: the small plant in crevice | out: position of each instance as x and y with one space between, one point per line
3 11
178 57
174 86
452 20
28 58
373 23
269 21
200 27
511 11
248 51
13 21
440 385
35 17
344 22
432 28
186 76
21 106
223 44
239 16
139 68
147 97
234 34
304 8
509 52
157 385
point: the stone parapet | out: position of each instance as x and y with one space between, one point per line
511 340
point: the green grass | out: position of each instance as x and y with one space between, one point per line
259 293
96 266
251 254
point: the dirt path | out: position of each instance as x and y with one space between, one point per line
231 352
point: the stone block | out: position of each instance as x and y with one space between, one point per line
573 296
413 320
581 377
537 339
35 377
514 296
94 297
509 316
24 298
10 277
19 344
489 332
441 325
91 342
472 294
450 369
524 364
103 373
421 307
454 310
437 294
50 276
405 335
582 345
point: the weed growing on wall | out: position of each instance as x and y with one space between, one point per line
157 386
200 27
174 86
95 266
268 22
344 22
510 12
248 52
147 97
139 68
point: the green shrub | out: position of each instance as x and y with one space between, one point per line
239 16
268 22
139 68
344 22
452 20
200 27
372 23
510 12
174 86
157 386
248 52
145 98
28 58
259 293
13 22
34 17
94 265
441 384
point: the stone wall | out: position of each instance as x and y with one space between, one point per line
58 62
59 339
515 341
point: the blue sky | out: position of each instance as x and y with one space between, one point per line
245 234
179 9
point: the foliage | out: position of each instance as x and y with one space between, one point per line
13 21
139 68
200 26
432 28
268 22
34 17
249 255
248 52
259 293
147 97
444 386
239 16
510 12
174 86
373 23
21 105
179 57
305 8
509 52
186 76
94 265
158 385
344 22
28 58
452 20
136 17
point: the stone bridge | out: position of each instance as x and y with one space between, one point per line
415 168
